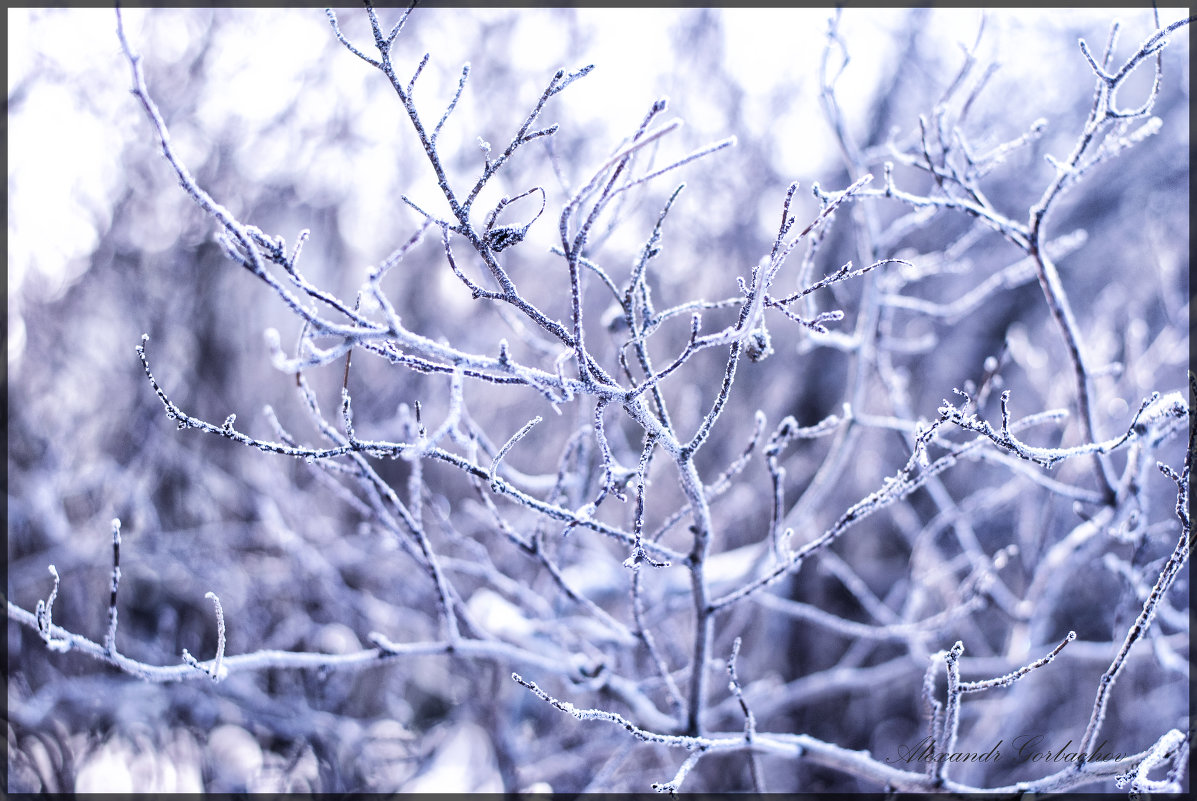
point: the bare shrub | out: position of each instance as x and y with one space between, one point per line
587 484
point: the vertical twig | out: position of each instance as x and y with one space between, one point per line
110 636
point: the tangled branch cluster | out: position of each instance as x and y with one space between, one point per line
626 485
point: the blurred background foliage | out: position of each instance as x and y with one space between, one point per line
289 131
